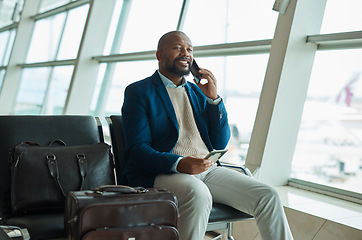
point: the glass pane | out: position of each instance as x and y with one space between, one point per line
46 5
329 144
58 90
97 89
32 91
4 41
145 26
2 76
45 40
6 45
229 21
130 73
240 80
342 16
10 11
113 27
73 33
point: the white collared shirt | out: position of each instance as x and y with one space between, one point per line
168 83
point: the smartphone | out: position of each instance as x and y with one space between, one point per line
215 155
195 71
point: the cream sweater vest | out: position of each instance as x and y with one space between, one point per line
189 142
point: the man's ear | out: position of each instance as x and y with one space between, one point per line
159 55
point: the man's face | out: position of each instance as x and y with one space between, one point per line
177 55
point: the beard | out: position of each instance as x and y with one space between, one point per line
178 71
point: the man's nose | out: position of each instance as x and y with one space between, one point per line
184 52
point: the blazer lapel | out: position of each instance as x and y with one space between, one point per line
162 92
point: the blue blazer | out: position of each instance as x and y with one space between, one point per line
151 129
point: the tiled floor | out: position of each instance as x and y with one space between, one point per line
311 216
333 209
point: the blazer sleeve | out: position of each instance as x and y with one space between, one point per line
219 130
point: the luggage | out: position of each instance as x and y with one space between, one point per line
121 212
142 233
13 232
41 176
4 235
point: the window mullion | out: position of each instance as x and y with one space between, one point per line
9 27
183 12
108 76
337 40
60 9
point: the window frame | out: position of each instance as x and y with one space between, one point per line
332 41
52 64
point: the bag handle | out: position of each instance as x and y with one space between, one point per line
13 161
59 141
54 171
119 189
31 144
82 163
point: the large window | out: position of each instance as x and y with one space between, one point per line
329 145
43 90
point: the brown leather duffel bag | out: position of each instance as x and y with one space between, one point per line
121 212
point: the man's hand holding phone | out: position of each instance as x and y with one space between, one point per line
193 165
215 155
195 70
210 87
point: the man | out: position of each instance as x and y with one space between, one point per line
170 125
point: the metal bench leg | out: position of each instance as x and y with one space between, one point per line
230 231
214 235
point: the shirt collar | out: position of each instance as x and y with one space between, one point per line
168 83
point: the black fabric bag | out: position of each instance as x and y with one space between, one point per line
41 176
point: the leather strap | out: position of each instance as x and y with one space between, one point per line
54 172
82 163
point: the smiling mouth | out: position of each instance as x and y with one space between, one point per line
184 62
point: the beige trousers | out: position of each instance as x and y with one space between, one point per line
195 194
